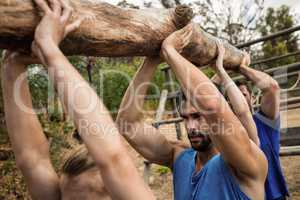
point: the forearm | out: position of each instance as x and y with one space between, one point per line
131 107
144 138
270 101
193 81
239 105
236 98
260 79
97 131
92 119
24 129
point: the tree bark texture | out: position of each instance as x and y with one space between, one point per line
110 31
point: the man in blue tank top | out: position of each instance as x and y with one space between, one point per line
267 120
223 162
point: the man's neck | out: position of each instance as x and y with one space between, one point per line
203 157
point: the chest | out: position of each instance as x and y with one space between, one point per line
213 181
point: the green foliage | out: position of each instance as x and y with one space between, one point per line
162 170
38 85
111 78
276 20
112 82
209 72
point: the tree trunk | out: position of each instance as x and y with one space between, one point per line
110 31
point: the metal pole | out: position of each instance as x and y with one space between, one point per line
158 117
290 151
169 121
275 58
169 79
269 37
289 68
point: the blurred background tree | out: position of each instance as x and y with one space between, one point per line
273 21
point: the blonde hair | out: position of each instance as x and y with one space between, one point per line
77 162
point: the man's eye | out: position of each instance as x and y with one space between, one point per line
196 116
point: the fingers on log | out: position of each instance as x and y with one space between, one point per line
56 6
67 11
43 5
187 34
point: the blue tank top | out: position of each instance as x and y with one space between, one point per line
213 182
269 136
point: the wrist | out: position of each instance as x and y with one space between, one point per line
228 84
50 52
243 68
220 71
166 48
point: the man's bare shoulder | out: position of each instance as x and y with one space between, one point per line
179 146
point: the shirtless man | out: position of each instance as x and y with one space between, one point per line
111 165
223 162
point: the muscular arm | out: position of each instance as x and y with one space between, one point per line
92 119
28 141
97 131
270 102
238 101
230 137
143 137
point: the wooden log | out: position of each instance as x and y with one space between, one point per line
110 31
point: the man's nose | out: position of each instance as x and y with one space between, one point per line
191 125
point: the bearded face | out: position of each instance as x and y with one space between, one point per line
199 141
197 128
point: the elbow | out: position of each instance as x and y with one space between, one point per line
124 125
243 113
29 160
126 122
125 117
211 106
164 50
23 162
274 86
122 121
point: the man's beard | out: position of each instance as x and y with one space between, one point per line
199 141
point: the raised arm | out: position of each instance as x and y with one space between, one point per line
270 102
30 146
146 139
228 134
96 127
238 101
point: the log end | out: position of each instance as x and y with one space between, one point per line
183 15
